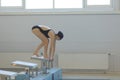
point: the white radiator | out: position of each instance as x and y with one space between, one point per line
83 61
114 63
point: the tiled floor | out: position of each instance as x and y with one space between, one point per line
85 76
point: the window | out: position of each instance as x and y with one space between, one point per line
68 4
99 5
39 4
57 5
98 2
11 3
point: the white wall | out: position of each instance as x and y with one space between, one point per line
83 33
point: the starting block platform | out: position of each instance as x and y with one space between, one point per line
25 64
39 58
7 74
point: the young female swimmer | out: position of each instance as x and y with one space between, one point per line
48 38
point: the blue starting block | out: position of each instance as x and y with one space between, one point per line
56 73
22 77
43 77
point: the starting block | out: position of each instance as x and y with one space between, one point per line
54 74
24 64
45 63
29 65
7 74
22 76
50 62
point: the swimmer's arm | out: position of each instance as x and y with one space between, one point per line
52 48
52 45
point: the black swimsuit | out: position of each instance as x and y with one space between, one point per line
45 32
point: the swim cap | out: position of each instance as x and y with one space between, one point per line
60 34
